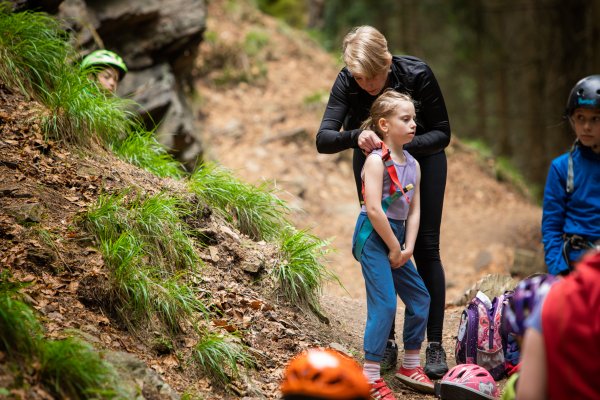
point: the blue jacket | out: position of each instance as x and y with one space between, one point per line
577 213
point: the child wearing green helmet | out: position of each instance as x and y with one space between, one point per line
106 68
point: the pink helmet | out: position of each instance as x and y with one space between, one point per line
468 382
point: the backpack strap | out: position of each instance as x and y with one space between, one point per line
395 186
396 189
570 174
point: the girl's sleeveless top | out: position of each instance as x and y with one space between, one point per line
407 173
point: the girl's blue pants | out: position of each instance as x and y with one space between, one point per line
382 284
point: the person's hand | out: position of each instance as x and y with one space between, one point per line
406 255
368 141
395 257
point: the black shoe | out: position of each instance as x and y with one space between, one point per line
435 361
390 356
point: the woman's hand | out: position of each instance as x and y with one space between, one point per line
368 141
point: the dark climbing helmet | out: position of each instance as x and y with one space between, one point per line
467 382
324 374
585 94
528 293
103 58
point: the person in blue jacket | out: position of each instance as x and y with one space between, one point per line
571 210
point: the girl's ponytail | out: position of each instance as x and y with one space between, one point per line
367 124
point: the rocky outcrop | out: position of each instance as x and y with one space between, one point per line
158 40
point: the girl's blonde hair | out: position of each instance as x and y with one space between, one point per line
384 107
365 51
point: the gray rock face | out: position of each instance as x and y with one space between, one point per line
159 42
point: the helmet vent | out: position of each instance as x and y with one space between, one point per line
580 91
460 374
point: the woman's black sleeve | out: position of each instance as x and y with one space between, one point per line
433 118
329 138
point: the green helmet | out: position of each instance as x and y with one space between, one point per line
103 58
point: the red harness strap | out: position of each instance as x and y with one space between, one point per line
396 185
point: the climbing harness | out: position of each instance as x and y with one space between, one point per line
396 190
575 242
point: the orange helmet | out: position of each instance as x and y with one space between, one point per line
324 374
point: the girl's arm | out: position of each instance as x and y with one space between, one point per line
532 377
374 170
413 220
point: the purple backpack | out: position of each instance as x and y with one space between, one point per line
479 339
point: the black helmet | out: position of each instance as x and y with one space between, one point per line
585 94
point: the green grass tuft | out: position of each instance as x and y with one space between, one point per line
301 273
73 369
255 210
221 357
20 331
141 148
150 254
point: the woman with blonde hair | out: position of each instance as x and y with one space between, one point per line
370 69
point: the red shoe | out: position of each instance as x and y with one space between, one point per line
415 378
381 391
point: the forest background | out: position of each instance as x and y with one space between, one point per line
505 66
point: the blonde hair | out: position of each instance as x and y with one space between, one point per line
365 51
384 107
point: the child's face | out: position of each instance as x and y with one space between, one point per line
586 123
108 78
400 127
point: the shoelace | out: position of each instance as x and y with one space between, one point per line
436 354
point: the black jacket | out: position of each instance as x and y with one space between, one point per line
349 106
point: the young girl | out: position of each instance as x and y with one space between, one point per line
106 68
384 241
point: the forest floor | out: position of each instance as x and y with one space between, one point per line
263 129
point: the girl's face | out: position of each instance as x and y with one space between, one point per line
108 78
400 127
373 85
586 123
